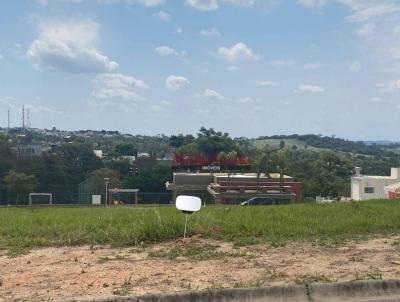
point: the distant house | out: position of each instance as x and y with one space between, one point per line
364 187
98 153
27 150
224 188
393 191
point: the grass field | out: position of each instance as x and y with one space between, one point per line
24 228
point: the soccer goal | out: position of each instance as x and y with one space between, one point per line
40 199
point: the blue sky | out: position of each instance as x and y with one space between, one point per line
247 67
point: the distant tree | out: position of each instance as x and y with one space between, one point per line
211 142
126 149
20 185
282 144
96 179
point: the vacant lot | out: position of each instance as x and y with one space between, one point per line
197 264
126 226
50 253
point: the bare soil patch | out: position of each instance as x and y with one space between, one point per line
196 264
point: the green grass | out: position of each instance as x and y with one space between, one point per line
24 228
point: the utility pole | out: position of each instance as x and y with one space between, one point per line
8 121
28 118
23 118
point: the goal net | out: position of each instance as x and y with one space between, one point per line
40 199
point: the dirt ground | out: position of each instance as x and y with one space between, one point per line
196 264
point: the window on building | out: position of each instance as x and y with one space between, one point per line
369 190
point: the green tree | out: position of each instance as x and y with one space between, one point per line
20 185
96 179
211 142
126 149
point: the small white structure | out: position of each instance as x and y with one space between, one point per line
364 187
96 199
98 153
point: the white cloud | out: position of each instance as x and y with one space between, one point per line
395 84
312 3
165 51
266 83
212 32
366 12
239 51
147 3
355 66
390 87
309 89
116 85
162 16
212 94
169 51
245 100
165 103
13 104
175 83
242 2
367 30
376 99
1 56
205 5
69 46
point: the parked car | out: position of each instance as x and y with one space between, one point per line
258 201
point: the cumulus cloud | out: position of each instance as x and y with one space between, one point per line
242 2
147 3
169 51
212 32
69 46
212 94
246 99
370 10
239 51
162 16
165 51
312 3
117 86
205 5
175 83
309 89
208 5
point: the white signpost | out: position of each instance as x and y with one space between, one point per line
188 205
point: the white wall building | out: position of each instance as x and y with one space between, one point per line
364 187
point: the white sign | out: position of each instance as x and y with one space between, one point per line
211 168
188 204
96 199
